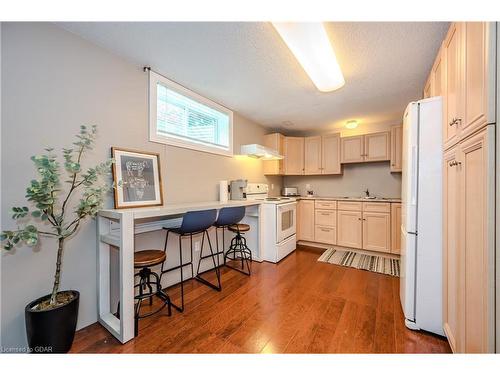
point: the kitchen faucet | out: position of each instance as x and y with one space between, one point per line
367 192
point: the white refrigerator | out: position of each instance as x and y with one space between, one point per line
421 229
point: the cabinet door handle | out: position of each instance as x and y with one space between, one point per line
455 121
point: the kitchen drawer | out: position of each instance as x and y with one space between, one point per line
325 235
325 205
325 217
349 206
376 207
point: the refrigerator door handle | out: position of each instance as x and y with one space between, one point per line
414 175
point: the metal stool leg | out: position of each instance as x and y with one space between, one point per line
145 282
217 287
162 295
150 288
181 309
181 267
238 245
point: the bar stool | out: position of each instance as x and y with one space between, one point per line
144 260
229 217
194 222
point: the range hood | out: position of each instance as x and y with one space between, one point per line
260 152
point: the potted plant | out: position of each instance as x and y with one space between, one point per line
51 319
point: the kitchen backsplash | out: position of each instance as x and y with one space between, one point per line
376 177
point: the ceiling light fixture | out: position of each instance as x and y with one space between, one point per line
351 124
309 42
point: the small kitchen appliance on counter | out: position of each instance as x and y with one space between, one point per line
238 189
310 192
290 192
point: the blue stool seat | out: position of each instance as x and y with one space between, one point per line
193 223
229 217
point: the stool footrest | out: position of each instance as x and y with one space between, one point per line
207 283
210 256
238 269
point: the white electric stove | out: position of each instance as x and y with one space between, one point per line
278 222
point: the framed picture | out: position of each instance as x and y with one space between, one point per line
137 178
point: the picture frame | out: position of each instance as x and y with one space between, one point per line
137 178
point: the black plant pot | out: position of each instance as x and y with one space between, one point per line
52 331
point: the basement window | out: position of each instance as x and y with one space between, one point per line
182 118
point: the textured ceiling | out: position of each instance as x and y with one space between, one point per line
247 68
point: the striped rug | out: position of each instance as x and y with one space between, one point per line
373 263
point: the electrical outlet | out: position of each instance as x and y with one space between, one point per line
197 246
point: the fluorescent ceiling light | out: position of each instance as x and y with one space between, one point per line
309 43
352 124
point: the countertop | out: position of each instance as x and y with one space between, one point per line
355 199
175 209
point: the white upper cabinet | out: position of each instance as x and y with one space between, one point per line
294 155
479 64
453 108
365 148
312 155
306 155
276 141
469 86
330 154
377 146
353 149
397 148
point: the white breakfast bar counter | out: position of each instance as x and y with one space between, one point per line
116 231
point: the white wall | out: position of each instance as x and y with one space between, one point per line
53 82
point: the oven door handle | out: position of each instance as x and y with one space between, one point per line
286 205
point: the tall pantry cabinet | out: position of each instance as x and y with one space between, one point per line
468 67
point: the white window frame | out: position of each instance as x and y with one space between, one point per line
172 140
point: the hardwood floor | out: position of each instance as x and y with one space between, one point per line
297 306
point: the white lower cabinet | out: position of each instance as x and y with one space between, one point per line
305 220
349 225
352 224
325 218
469 254
324 234
377 231
396 228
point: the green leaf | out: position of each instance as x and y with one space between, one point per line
36 213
